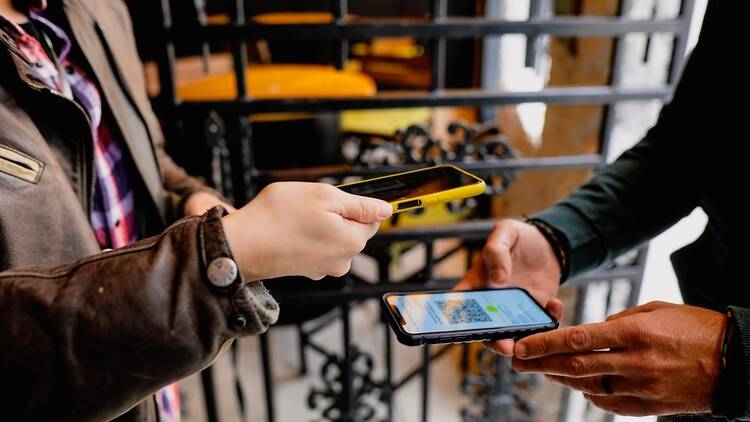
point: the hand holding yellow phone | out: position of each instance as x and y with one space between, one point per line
419 188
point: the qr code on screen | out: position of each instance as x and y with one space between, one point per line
462 311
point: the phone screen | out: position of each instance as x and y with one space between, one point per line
410 185
461 311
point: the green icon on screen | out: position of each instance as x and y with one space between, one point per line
491 308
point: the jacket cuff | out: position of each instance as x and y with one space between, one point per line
253 307
732 394
582 246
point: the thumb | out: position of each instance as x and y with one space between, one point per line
497 255
556 307
364 210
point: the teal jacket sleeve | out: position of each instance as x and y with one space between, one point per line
649 187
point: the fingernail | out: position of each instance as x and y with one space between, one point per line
521 351
384 210
496 275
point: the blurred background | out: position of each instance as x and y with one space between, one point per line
531 95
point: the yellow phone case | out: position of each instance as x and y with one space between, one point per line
454 194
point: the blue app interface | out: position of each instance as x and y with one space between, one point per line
459 311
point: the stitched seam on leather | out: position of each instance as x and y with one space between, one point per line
118 252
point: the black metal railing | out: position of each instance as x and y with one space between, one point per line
243 179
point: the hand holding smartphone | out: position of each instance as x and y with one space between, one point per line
419 188
465 316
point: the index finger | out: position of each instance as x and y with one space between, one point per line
475 278
496 252
581 338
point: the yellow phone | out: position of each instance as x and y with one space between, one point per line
419 188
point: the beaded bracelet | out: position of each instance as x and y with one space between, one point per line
554 240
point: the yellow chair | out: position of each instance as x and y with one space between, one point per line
289 18
282 81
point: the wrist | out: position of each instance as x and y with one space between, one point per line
729 391
556 242
198 201
246 250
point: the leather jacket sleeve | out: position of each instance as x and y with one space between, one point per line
91 339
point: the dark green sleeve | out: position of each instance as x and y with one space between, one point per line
649 187
732 394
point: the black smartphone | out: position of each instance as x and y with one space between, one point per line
463 316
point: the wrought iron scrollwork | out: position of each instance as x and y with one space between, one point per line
367 394
497 392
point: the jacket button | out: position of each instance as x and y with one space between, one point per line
239 322
222 271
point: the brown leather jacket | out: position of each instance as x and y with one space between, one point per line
86 335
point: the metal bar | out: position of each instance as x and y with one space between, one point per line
425 371
340 10
166 62
239 52
475 229
450 28
370 291
209 394
318 348
322 322
585 95
636 283
384 274
360 292
538 11
480 167
627 272
465 358
439 11
615 76
490 77
388 384
608 297
302 339
577 319
245 190
200 13
265 355
680 41
448 254
347 396
239 390
167 98
428 274
429 262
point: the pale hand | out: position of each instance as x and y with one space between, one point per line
305 229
